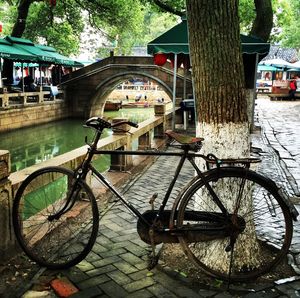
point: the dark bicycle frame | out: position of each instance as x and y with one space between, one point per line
183 154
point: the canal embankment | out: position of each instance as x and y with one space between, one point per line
19 116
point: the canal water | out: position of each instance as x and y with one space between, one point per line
29 146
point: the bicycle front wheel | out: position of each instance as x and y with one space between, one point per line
263 237
55 218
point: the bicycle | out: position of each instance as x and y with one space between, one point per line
232 222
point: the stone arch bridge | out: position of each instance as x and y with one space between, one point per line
86 89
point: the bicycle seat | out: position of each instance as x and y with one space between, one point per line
183 139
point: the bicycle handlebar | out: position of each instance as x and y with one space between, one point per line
99 123
125 122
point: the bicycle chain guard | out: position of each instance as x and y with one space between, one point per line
158 237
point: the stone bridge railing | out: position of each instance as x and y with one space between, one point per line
10 100
9 182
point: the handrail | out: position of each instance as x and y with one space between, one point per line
8 100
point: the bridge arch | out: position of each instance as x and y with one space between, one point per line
86 89
105 87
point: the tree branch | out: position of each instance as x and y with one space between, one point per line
263 22
168 8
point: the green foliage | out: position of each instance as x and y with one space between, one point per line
6 15
61 26
247 15
285 23
150 24
290 36
61 30
132 22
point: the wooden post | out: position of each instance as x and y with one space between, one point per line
41 94
122 162
160 110
7 243
5 99
145 141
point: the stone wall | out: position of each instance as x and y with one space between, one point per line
23 116
7 239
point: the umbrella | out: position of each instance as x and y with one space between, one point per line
277 63
296 65
267 68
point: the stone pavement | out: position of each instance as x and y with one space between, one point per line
117 265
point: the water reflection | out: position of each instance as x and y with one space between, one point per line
29 146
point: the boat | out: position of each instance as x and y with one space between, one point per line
112 106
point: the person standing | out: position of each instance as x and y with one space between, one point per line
293 88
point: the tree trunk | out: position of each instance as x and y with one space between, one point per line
221 104
263 22
220 96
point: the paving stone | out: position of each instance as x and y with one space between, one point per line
104 241
114 227
113 252
207 293
106 261
125 267
101 270
112 289
98 248
141 266
124 237
109 232
130 258
94 281
75 275
119 277
85 266
173 285
140 274
139 284
88 293
159 291
140 294
92 256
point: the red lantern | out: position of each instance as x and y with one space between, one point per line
160 59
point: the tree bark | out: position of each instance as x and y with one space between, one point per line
263 22
217 60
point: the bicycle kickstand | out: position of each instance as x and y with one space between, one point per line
153 259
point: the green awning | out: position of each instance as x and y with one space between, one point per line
60 59
29 47
8 51
175 41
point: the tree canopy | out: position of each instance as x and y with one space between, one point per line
130 22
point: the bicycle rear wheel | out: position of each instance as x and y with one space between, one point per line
53 231
267 229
